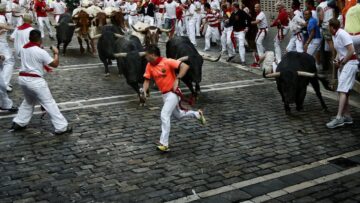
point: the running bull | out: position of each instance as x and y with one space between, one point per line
181 48
293 74
64 31
131 62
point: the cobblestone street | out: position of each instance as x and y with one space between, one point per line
248 151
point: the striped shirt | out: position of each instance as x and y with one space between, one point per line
213 18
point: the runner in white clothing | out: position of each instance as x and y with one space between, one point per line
297 22
20 36
262 25
34 61
347 63
59 9
6 104
9 61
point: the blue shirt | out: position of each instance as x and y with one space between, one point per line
313 24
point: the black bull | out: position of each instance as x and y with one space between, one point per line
293 74
130 60
64 31
179 47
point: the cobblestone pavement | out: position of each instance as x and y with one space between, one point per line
249 150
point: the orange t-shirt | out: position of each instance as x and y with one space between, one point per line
163 73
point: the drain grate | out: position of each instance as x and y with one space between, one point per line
344 162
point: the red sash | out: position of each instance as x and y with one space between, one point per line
32 44
24 26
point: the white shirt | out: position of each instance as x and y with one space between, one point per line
20 37
341 40
296 24
263 21
215 5
328 13
170 10
33 60
132 8
59 7
109 3
299 14
191 11
3 35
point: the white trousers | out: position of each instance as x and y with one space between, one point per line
260 36
356 42
44 21
180 27
159 19
133 20
191 30
240 40
296 43
149 20
36 90
314 46
277 43
211 33
171 108
8 64
5 102
226 43
57 17
197 17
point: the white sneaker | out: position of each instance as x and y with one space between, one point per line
9 88
336 122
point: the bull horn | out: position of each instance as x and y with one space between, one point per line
96 36
118 35
55 25
77 29
120 55
141 54
164 30
211 59
184 58
71 24
137 30
272 75
306 74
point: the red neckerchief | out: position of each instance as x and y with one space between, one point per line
33 44
157 61
24 26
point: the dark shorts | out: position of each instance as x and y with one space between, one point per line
169 23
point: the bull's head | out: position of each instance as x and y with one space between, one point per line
83 22
151 34
100 19
289 84
117 18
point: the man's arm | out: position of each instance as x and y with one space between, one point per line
182 71
311 36
55 62
146 86
349 53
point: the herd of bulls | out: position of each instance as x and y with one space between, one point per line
114 41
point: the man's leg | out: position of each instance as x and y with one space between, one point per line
8 64
223 41
47 101
259 44
207 38
198 23
299 43
41 26
5 101
277 48
229 43
292 44
170 102
241 45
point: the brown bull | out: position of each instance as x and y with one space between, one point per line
100 19
83 23
117 19
151 34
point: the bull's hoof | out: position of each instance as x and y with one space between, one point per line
110 62
82 51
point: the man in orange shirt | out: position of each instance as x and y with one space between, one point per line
162 71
